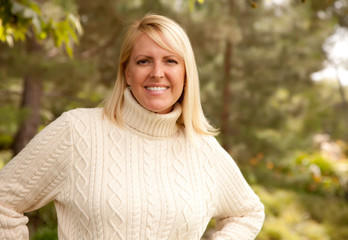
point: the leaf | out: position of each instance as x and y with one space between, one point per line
68 49
42 35
37 24
35 8
29 13
9 40
2 32
76 23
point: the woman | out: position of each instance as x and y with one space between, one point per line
146 166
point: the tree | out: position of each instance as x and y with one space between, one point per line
25 21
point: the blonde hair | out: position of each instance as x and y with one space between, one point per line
163 31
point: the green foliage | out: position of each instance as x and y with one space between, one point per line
5 156
322 165
19 18
294 215
311 173
194 2
43 223
316 174
46 233
9 117
66 31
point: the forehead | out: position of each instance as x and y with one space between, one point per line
145 44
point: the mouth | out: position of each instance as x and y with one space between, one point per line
156 88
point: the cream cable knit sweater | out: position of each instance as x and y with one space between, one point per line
143 181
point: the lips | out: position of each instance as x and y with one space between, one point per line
156 88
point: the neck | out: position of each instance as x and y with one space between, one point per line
147 122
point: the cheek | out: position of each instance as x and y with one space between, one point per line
135 76
131 78
179 75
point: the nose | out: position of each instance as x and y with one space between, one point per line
157 71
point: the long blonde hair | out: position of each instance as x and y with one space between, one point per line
163 31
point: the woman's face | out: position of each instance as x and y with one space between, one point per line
155 75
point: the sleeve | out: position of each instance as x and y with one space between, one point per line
239 211
34 177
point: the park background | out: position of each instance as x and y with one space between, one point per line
273 78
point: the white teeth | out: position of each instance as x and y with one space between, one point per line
156 88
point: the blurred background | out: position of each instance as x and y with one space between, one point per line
274 76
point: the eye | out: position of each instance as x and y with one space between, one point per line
142 61
172 61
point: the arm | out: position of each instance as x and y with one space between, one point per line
239 212
34 177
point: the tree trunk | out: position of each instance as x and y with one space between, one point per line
31 101
226 97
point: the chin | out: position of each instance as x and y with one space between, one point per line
160 110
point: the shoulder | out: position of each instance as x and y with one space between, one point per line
211 142
81 118
210 146
83 114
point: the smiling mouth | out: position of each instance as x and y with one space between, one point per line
156 88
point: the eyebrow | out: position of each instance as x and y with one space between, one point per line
146 56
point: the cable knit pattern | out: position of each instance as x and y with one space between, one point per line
145 180
116 171
182 180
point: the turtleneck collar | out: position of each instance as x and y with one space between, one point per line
145 121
